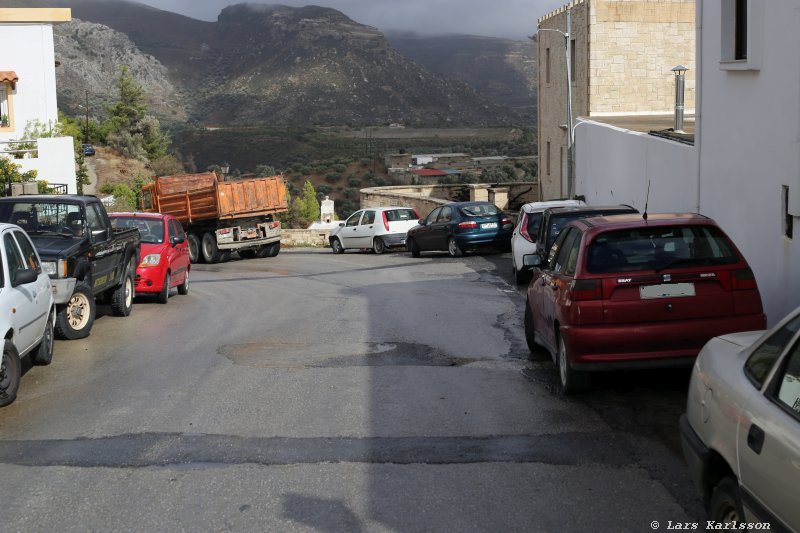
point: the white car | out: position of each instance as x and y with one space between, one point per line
27 311
741 430
523 240
377 228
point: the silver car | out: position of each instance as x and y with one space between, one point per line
741 430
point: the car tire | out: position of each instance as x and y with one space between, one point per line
247 254
195 254
530 336
378 246
571 380
43 354
336 246
74 319
453 248
10 374
183 288
725 506
210 250
163 296
122 297
413 247
273 249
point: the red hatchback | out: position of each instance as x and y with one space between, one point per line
164 252
625 292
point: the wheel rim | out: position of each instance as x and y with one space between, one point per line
562 361
730 515
186 281
78 311
337 246
128 291
378 246
451 247
165 289
193 249
48 335
206 248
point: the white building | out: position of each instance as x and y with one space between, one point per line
743 169
28 91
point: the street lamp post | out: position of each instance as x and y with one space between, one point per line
570 130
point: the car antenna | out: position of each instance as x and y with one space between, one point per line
646 201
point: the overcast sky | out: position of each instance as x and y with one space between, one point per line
514 19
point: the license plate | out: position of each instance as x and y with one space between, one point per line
666 290
489 225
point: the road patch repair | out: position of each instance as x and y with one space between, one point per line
272 354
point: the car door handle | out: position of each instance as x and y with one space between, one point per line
755 438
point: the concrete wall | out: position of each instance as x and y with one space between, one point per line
304 237
615 165
749 141
28 51
55 164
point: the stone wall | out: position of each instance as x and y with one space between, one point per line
304 237
426 198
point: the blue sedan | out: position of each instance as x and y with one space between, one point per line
461 226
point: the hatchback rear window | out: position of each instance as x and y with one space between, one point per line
480 210
401 214
534 221
655 248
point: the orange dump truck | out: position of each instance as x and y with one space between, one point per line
221 216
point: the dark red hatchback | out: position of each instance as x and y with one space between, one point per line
625 292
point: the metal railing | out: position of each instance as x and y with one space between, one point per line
8 150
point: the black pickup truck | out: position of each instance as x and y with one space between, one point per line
85 257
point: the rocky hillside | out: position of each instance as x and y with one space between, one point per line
91 54
274 65
502 69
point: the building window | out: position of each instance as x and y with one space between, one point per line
788 219
547 67
740 30
5 105
547 157
741 34
573 58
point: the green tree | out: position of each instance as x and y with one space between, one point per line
82 173
265 170
310 204
130 107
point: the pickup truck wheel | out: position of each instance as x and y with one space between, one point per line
163 296
725 506
43 354
10 374
336 246
571 380
195 256
122 297
183 288
210 250
74 319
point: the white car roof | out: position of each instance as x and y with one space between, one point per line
533 207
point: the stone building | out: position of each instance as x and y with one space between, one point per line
622 53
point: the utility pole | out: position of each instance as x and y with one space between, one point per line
86 129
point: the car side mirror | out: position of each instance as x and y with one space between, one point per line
23 277
421 222
177 239
99 235
341 224
531 260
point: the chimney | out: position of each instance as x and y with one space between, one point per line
680 84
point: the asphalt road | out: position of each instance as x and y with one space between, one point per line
324 392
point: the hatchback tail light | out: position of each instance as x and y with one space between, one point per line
505 221
468 225
743 279
385 221
523 228
586 289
